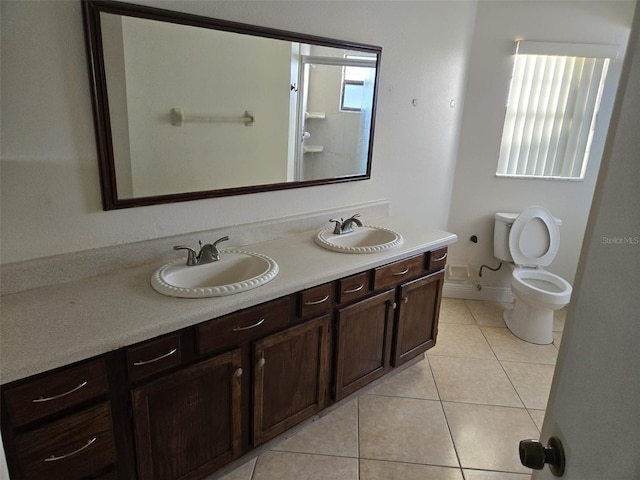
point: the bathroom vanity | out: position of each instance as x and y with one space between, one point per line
105 378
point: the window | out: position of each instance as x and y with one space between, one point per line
353 82
552 109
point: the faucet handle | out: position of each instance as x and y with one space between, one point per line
191 258
338 228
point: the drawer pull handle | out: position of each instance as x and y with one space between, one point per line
403 272
53 458
317 302
354 289
144 362
439 259
249 327
48 399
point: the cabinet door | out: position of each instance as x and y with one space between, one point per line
290 377
417 323
363 333
187 423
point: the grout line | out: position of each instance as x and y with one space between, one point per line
446 420
358 433
253 470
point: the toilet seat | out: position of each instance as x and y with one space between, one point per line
540 223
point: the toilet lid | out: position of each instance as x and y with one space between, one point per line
534 238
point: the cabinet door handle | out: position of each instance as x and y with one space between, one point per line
406 270
405 299
54 458
144 362
249 327
55 397
261 362
317 302
238 373
354 289
440 258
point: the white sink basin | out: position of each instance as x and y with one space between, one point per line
235 272
365 239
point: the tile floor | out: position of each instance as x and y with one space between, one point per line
457 415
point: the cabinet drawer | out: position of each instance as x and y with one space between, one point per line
436 259
353 287
315 300
390 275
153 357
72 448
56 392
237 328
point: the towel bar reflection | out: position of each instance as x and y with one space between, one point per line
178 118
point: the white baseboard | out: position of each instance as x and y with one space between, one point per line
471 292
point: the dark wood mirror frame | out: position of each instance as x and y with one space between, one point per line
91 15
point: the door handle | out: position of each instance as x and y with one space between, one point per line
534 455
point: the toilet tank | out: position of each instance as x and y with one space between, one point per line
501 229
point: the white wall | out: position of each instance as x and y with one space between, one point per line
477 192
50 198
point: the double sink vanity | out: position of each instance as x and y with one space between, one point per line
106 378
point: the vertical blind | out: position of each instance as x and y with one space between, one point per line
552 109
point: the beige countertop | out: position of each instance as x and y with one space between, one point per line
53 326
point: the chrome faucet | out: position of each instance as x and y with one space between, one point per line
208 252
345 226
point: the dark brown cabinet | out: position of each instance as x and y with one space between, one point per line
363 342
417 323
59 425
290 377
74 447
180 406
187 423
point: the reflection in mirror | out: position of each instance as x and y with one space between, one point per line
188 107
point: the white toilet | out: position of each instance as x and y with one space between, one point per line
530 240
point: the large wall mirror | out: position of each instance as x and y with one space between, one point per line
189 107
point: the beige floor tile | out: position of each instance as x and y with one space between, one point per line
333 434
510 348
487 437
377 470
461 341
557 338
488 314
538 417
484 475
559 317
243 472
296 466
455 310
532 381
414 382
404 430
473 380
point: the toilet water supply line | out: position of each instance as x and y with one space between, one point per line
474 239
478 285
490 268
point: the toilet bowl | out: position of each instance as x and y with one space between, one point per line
531 240
537 294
